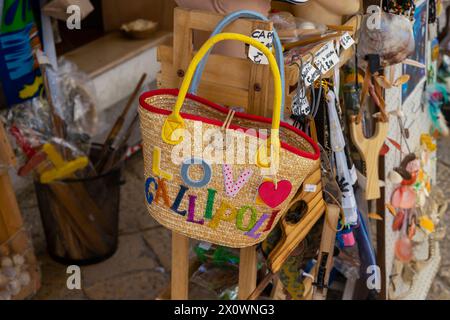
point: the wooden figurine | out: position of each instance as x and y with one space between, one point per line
369 150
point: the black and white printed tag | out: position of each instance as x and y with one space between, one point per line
266 38
300 104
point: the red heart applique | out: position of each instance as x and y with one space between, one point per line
274 197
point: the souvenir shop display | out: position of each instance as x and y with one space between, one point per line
289 147
348 114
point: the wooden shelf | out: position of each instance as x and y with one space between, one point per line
111 50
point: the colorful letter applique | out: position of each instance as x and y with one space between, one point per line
177 202
148 195
162 192
272 219
232 188
210 204
207 173
156 165
191 211
257 225
221 214
240 218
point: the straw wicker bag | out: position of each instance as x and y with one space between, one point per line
226 202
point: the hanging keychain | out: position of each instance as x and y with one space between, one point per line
301 108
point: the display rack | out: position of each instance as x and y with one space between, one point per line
422 123
227 80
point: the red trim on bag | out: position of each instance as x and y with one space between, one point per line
174 92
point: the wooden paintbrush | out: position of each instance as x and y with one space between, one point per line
107 149
120 150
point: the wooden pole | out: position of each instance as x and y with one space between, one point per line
247 272
325 258
381 237
10 217
180 267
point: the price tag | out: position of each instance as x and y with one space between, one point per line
310 74
326 58
266 38
347 41
300 104
310 188
205 245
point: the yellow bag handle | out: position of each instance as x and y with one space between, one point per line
172 131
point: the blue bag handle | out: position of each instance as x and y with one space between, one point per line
219 28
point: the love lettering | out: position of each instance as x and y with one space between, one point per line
156 190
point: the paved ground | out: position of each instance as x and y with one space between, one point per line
440 289
140 268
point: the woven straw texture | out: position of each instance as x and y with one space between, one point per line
292 167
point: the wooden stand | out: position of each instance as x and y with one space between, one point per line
232 81
11 221
293 234
226 80
10 218
180 271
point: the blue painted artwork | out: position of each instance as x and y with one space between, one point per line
420 37
19 72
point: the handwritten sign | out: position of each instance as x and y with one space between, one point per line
326 58
266 38
346 41
310 74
